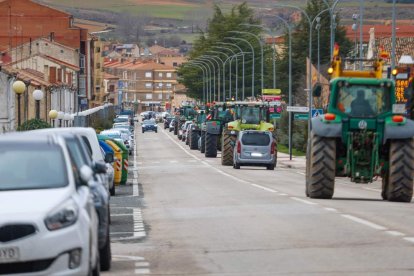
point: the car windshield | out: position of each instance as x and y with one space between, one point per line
363 100
121 126
255 139
148 122
31 166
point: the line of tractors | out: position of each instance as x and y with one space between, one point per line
215 126
364 134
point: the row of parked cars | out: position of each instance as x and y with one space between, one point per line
55 192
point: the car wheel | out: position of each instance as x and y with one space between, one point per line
270 167
105 254
143 131
236 165
156 131
112 190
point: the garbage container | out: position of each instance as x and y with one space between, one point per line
125 154
118 161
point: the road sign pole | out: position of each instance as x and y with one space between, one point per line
290 135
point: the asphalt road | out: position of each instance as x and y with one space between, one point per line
183 214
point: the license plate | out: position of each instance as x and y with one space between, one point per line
9 254
256 154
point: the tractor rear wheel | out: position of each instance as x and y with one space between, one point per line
227 148
211 145
401 171
175 127
321 168
194 139
203 142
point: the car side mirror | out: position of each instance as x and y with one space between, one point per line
86 174
99 167
109 157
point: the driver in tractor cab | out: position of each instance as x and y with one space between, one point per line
249 116
360 106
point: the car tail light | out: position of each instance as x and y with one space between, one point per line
238 147
330 117
273 148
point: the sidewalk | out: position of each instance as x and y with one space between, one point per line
297 162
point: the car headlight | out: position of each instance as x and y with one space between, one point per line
65 216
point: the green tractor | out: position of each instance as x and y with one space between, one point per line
195 131
219 114
185 113
363 136
249 116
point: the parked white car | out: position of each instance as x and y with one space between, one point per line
48 223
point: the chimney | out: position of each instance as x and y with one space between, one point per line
52 36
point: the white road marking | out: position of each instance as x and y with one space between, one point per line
364 222
303 200
127 258
263 188
395 233
283 194
301 173
142 264
142 271
135 174
139 230
120 215
410 239
138 163
330 209
135 190
372 189
173 161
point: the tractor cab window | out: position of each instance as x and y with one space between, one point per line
250 115
363 100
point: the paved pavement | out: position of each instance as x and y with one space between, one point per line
200 218
297 162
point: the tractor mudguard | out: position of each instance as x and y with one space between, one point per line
326 130
213 127
404 131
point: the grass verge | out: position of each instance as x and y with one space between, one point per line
295 152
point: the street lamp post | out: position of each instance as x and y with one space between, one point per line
19 88
318 27
242 52
53 114
38 96
66 119
333 23
261 50
212 58
289 28
210 63
224 70
237 64
60 117
252 48
204 78
215 58
208 73
393 37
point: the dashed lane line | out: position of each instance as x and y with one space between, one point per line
364 222
264 188
303 200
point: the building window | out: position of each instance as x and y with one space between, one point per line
167 96
160 84
160 75
148 85
168 85
148 74
175 64
159 96
148 96
169 75
125 75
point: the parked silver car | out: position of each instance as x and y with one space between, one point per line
255 148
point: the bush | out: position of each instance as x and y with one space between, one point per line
33 124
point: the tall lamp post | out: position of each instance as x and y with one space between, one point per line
38 96
318 27
66 118
261 50
19 88
53 114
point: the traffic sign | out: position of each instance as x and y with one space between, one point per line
317 112
301 109
301 117
274 116
270 91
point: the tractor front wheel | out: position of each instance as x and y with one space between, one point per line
175 127
321 167
227 148
401 171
